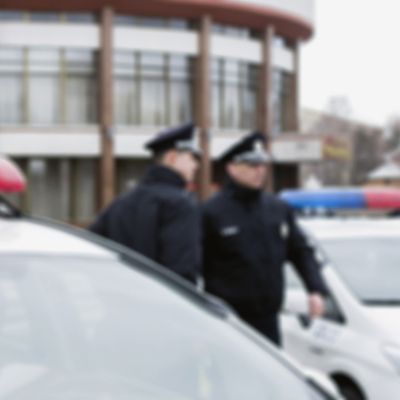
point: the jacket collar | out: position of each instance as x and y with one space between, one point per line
157 174
240 192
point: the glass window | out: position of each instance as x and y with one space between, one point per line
234 94
180 94
233 31
98 328
81 85
249 103
231 95
281 101
125 20
48 86
11 16
216 93
84 181
180 24
369 266
80 17
153 22
280 41
11 85
49 188
125 88
217 28
44 86
152 88
62 189
152 91
44 16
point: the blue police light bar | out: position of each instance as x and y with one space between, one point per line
325 198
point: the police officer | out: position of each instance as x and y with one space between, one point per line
158 218
248 234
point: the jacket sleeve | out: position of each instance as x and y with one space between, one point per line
100 225
301 254
179 240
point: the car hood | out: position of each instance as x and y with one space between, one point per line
386 318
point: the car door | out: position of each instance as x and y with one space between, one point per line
311 341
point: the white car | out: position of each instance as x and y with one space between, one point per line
357 342
82 318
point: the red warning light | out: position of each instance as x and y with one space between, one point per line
11 178
383 199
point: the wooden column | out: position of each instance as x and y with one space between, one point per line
203 103
265 109
107 164
294 89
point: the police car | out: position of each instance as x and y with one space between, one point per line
83 318
357 342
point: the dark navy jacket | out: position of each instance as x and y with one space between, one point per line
247 237
157 219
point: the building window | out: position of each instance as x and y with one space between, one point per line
125 20
280 41
11 16
11 85
62 189
152 88
234 31
148 22
77 17
47 86
80 18
44 87
44 16
233 94
153 22
281 101
80 87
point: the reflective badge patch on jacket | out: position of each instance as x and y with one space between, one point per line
285 230
229 231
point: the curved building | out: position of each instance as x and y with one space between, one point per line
84 84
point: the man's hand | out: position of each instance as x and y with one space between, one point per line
316 305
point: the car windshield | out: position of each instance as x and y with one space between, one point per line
92 328
369 266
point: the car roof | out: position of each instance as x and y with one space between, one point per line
346 228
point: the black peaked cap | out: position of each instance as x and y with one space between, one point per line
250 149
179 137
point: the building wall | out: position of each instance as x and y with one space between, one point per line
301 8
366 142
61 73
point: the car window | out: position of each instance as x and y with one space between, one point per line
93 328
369 266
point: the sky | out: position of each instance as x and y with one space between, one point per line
355 53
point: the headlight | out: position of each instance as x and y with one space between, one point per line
392 353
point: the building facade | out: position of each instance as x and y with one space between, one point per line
84 85
349 149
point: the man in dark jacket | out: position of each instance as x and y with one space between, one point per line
248 234
158 218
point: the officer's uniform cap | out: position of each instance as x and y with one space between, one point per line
250 149
179 138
